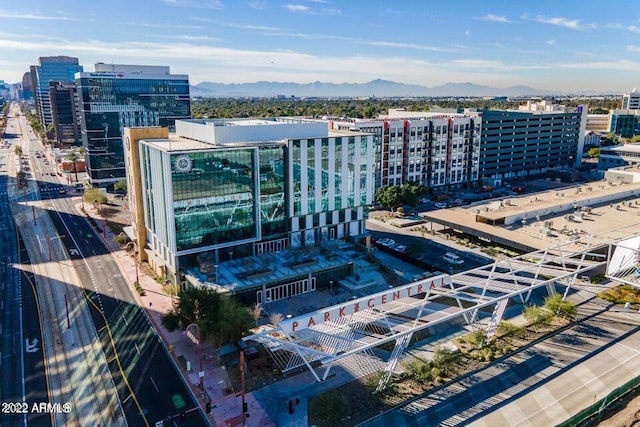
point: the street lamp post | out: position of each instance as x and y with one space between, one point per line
196 340
331 287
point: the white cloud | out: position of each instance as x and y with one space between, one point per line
257 4
35 17
182 27
198 4
197 38
308 36
298 8
403 45
622 65
377 43
494 18
467 32
631 28
573 24
250 27
551 42
632 48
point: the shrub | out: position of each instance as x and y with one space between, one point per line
476 338
560 307
537 316
507 329
171 321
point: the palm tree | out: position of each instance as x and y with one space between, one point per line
73 157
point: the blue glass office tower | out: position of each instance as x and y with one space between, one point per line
115 96
51 69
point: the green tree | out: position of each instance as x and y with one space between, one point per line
635 138
51 130
221 318
389 197
594 153
73 157
94 196
120 186
18 150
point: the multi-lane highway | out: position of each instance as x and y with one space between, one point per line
148 385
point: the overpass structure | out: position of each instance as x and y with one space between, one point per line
349 332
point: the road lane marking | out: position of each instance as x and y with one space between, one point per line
154 384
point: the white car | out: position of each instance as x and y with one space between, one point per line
401 249
452 258
441 205
386 242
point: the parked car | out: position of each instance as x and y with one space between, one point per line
452 258
441 205
400 248
386 242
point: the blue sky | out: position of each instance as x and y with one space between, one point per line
565 45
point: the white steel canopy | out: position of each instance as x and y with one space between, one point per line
350 331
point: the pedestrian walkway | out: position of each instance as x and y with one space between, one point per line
226 408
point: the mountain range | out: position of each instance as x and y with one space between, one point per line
374 88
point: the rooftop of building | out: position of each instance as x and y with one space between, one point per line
630 112
193 135
628 148
619 212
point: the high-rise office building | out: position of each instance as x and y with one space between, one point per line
117 96
51 69
27 87
65 112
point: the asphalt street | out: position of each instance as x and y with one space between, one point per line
148 384
22 359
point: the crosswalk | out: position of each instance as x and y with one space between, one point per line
50 189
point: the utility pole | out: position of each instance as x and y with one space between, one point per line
244 404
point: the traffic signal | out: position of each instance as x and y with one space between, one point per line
291 406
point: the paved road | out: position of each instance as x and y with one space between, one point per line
22 366
148 384
538 367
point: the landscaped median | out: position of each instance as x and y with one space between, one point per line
357 401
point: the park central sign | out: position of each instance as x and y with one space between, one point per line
308 320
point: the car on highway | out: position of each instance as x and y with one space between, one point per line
441 205
62 191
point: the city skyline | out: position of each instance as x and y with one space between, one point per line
547 45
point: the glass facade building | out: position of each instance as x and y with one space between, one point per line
254 193
115 97
51 69
65 112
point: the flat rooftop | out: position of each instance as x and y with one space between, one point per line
540 220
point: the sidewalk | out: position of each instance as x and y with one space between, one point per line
226 408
